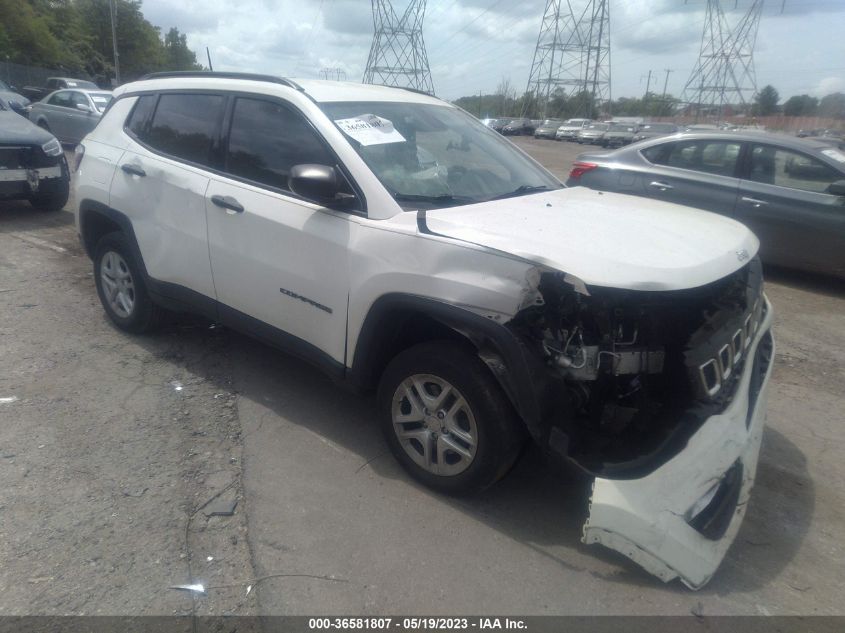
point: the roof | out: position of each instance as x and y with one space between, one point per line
785 140
318 90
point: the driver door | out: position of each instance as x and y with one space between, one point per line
280 262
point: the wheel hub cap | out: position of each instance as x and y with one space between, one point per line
118 285
434 424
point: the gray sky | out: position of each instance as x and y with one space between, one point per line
473 44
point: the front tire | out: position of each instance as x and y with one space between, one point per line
446 419
121 287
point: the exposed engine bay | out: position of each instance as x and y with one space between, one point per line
633 374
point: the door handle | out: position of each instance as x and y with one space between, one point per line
662 186
229 203
754 202
133 170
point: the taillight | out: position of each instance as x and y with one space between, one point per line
78 153
579 169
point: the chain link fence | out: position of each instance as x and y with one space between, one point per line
18 75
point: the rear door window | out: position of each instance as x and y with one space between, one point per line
184 126
712 157
795 170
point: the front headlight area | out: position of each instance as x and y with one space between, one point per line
618 362
52 148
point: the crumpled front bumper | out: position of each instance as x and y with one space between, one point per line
680 520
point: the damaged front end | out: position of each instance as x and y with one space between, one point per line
660 396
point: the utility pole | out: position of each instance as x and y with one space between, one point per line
397 55
113 11
208 54
647 85
665 83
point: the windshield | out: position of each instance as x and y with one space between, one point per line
80 83
597 126
100 99
551 123
621 127
436 155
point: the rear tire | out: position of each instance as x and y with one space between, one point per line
446 419
121 287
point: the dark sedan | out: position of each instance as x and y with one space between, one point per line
519 126
789 191
32 163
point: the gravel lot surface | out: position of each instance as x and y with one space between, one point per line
113 443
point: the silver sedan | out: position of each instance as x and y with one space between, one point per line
789 191
70 114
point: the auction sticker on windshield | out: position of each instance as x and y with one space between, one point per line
369 129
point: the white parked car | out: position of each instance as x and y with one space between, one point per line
397 243
570 128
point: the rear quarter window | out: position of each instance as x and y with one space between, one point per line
140 115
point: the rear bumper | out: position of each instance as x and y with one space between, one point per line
680 520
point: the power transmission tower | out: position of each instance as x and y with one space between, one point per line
572 54
397 56
724 73
336 74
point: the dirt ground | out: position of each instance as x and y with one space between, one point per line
112 445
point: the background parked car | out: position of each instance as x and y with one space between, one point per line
36 93
789 191
618 134
70 114
499 124
655 130
570 129
548 128
592 133
32 163
12 99
518 126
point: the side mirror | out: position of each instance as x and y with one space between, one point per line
18 107
83 107
315 182
837 188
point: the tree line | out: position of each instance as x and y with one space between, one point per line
506 102
75 36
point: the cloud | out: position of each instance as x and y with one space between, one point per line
829 85
473 44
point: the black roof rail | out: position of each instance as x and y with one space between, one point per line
184 74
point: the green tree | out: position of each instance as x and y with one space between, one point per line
801 105
833 106
177 55
766 101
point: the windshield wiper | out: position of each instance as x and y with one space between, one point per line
445 199
522 189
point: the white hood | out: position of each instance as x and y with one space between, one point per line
606 239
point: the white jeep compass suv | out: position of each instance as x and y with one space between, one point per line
394 241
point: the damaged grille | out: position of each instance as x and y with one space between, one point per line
633 374
15 157
25 157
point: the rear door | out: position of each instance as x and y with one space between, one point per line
278 258
161 184
784 199
698 173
